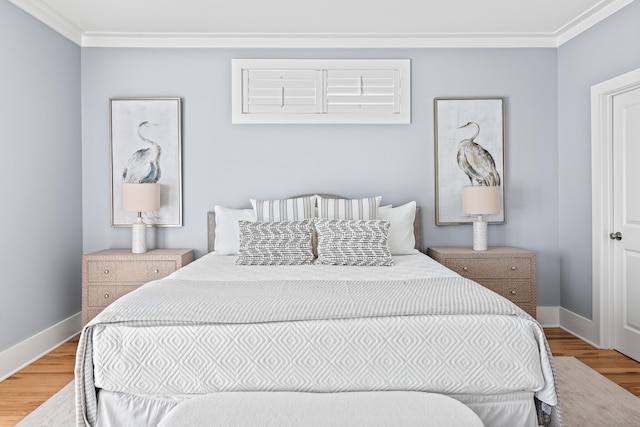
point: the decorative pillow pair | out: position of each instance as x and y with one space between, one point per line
346 230
340 242
400 236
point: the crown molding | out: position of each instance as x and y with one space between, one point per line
316 41
52 18
49 16
588 19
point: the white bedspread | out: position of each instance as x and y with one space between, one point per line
215 326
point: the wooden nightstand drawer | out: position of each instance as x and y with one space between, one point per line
497 268
513 290
103 295
128 271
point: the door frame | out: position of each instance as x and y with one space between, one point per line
602 96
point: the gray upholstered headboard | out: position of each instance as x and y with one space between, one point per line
211 227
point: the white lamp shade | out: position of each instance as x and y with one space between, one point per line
140 197
480 199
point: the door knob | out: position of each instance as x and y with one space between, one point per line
615 236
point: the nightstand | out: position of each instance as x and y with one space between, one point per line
109 274
510 272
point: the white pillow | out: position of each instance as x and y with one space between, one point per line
402 240
366 208
295 209
227 232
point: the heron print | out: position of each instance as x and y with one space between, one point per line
143 166
469 150
146 148
476 161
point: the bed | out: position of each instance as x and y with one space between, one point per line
218 326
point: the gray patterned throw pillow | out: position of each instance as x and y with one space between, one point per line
353 242
276 243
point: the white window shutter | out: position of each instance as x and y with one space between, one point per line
321 91
363 91
281 91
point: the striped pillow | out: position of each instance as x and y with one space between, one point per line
366 208
276 243
353 242
295 209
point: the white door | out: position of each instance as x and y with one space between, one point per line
626 220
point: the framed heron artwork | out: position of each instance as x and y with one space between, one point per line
146 147
469 150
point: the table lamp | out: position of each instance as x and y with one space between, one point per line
140 198
480 200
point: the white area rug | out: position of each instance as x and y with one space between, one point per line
587 399
590 399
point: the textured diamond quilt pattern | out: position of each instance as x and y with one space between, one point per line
487 355
444 334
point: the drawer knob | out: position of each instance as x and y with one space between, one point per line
465 268
513 292
106 271
156 271
513 267
106 296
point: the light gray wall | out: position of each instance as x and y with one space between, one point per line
41 243
227 164
609 49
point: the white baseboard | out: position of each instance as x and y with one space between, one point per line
548 317
33 348
581 327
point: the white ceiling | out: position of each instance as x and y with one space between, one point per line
327 23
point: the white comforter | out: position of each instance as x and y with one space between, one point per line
215 326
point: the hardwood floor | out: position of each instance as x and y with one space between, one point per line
29 388
26 390
619 368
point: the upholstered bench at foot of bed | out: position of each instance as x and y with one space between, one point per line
289 409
